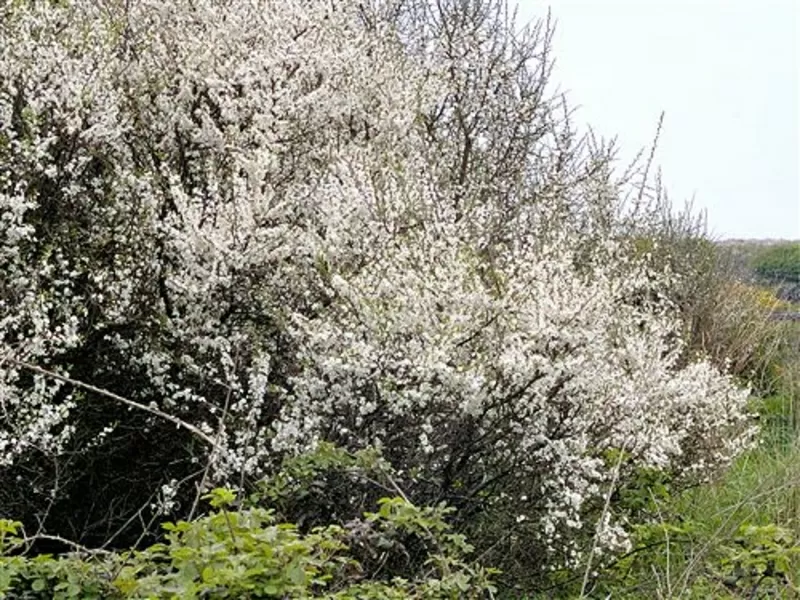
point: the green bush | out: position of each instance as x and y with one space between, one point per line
248 554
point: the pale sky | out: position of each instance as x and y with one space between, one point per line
726 74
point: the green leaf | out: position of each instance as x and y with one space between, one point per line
208 574
296 573
220 497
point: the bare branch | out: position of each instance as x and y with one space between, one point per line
111 395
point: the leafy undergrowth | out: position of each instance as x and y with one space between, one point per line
248 554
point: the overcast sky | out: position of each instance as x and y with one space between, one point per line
726 74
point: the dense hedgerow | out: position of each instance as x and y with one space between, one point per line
273 224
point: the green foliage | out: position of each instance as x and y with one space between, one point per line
331 484
48 578
643 493
248 554
677 560
327 483
779 263
761 556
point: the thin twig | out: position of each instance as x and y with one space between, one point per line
212 457
606 508
650 158
28 542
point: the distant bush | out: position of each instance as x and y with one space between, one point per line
726 315
779 263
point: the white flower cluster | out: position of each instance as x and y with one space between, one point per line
548 369
332 220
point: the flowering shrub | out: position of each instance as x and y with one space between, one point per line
274 224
